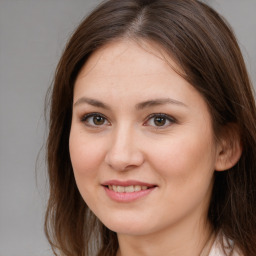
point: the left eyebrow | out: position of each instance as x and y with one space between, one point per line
92 102
157 102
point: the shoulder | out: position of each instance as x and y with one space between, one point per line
223 246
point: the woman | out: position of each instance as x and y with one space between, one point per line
152 135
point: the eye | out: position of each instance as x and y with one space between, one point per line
95 119
159 120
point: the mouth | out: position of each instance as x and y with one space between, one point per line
127 191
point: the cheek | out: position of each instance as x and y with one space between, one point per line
85 154
86 157
185 167
184 157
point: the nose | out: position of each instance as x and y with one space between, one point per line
124 152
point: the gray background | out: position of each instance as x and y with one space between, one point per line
32 36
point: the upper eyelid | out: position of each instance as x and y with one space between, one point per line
171 118
91 114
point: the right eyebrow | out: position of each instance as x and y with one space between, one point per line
92 102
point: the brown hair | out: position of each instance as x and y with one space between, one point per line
203 45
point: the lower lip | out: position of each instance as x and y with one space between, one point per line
127 197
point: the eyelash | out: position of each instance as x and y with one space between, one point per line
164 117
85 118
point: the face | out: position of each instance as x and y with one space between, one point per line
141 141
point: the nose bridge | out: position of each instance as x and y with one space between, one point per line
122 135
124 149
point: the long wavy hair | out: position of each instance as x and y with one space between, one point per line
204 46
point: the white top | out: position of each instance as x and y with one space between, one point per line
217 250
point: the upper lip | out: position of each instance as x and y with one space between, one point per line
127 183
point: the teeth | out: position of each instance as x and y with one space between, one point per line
127 189
120 189
137 188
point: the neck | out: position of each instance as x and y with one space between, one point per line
188 239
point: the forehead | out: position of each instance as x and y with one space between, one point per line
116 57
125 73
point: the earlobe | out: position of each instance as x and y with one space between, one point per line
229 148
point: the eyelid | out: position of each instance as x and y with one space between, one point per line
168 117
93 114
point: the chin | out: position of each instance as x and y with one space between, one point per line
129 226
128 230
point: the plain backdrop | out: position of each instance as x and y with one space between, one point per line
32 36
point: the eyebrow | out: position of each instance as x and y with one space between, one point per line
157 102
92 102
139 106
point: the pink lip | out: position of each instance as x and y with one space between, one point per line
126 197
127 183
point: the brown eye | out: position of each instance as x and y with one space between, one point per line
159 121
98 120
95 119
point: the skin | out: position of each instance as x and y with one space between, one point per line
178 156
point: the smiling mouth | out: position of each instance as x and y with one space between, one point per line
127 189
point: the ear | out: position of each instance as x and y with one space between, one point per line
229 148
